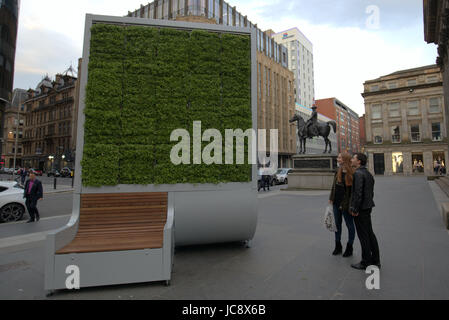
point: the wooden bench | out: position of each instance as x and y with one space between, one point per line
120 222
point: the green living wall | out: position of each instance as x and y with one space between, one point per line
145 82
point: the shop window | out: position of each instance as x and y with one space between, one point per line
434 105
398 162
395 134
413 108
439 163
415 133
436 131
418 163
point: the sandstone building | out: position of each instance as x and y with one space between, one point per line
50 123
405 122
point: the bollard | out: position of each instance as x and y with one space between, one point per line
55 183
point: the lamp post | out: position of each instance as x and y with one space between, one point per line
17 138
51 158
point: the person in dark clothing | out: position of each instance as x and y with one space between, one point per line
362 204
24 174
340 198
33 193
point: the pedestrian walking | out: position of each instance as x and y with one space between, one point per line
33 193
361 207
340 198
436 167
23 175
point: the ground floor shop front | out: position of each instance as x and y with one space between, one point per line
425 159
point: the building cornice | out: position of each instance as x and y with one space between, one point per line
401 89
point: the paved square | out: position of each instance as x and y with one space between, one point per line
290 256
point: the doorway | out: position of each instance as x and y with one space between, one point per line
379 164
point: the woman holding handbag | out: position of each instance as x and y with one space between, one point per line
340 198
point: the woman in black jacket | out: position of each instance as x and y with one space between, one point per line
340 198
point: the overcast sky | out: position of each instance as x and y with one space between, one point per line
351 45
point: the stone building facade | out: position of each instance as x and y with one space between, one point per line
275 83
50 124
405 122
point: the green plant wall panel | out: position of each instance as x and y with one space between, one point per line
146 82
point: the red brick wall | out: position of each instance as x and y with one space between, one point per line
327 108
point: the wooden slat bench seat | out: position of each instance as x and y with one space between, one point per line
120 222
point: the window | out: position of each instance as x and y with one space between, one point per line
374 88
376 111
434 105
432 79
392 85
436 131
393 109
411 82
225 14
398 162
413 108
395 134
378 135
415 133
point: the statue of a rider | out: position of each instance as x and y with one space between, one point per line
312 124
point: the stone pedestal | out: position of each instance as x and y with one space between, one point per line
312 172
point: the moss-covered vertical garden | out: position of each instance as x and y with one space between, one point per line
145 82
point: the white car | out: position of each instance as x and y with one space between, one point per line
12 203
282 176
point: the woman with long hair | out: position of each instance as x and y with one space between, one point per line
340 198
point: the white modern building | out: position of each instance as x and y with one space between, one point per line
300 53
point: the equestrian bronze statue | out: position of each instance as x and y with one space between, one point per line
313 128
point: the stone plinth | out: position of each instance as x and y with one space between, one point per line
312 172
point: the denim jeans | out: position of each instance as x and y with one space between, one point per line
349 220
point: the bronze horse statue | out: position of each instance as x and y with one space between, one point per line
324 130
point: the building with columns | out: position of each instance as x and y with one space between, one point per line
275 82
405 122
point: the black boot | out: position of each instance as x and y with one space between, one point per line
338 249
349 251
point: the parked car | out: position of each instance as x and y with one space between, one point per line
53 173
66 172
282 176
36 172
12 203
